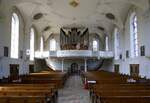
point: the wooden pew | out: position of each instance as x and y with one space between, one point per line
58 78
25 95
33 88
115 88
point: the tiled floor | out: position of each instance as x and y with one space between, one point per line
73 92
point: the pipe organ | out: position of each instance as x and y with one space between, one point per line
74 39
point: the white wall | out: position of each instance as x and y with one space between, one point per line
143 38
5 40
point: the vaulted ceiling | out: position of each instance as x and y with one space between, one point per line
87 13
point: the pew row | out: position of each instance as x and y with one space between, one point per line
116 88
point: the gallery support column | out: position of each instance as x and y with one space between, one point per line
62 65
85 70
85 65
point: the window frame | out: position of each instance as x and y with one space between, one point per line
95 45
52 44
15 29
116 44
41 44
32 45
134 35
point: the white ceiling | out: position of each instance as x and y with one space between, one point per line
89 13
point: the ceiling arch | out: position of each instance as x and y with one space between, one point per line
89 13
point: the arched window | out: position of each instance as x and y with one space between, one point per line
133 35
41 44
95 45
116 43
52 45
106 43
14 36
32 34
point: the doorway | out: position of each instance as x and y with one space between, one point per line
134 70
74 69
14 71
31 68
116 68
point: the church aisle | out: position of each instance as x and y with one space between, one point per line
73 92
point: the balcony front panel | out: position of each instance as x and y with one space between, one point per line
81 54
74 53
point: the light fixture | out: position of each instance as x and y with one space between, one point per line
47 28
37 16
101 28
74 3
110 16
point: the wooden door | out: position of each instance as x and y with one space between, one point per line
31 68
116 68
134 69
14 71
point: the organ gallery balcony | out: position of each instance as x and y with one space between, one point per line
81 54
74 54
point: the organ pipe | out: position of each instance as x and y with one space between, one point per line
74 39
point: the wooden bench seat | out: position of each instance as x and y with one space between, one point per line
33 88
27 93
115 88
57 78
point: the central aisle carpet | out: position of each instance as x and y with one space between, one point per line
73 92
